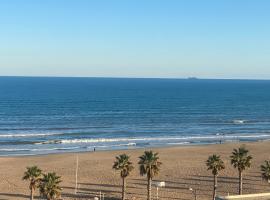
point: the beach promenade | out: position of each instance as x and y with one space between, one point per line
182 168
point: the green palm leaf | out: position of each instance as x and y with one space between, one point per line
149 165
122 163
32 174
241 160
265 169
215 164
49 187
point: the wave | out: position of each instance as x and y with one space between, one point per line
110 140
29 135
178 143
239 121
57 149
11 150
116 145
49 149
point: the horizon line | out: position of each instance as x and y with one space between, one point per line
128 77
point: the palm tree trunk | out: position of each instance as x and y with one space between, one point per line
240 183
32 193
149 188
215 187
124 189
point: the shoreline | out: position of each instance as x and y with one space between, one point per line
136 148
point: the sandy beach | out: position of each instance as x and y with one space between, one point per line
183 167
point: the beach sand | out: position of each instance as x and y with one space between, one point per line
183 167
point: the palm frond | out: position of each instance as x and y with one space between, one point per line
215 164
240 159
49 186
149 164
32 174
265 169
122 163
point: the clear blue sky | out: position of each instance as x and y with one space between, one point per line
135 38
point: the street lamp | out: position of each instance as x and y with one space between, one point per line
194 192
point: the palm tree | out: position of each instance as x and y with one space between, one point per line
33 174
215 164
266 171
241 160
49 186
149 166
123 164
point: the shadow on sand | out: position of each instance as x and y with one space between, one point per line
175 189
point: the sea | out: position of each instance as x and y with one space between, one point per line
43 115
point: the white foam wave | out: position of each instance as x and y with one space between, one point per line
130 140
11 150
239 121
28 135
56 149
178 143
116 145
48 149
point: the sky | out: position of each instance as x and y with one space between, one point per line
135 38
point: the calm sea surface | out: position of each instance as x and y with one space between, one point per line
49 115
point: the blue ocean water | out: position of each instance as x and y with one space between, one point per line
49 115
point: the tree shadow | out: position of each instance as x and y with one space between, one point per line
177 187
92 191
15 195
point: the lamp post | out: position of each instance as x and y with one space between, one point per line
194 192
76 175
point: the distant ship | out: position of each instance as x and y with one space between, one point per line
192 78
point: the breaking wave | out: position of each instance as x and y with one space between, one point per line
191 138
239 121
29 135
41 150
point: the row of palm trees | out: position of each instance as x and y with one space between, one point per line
241 160
47 183
149 165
